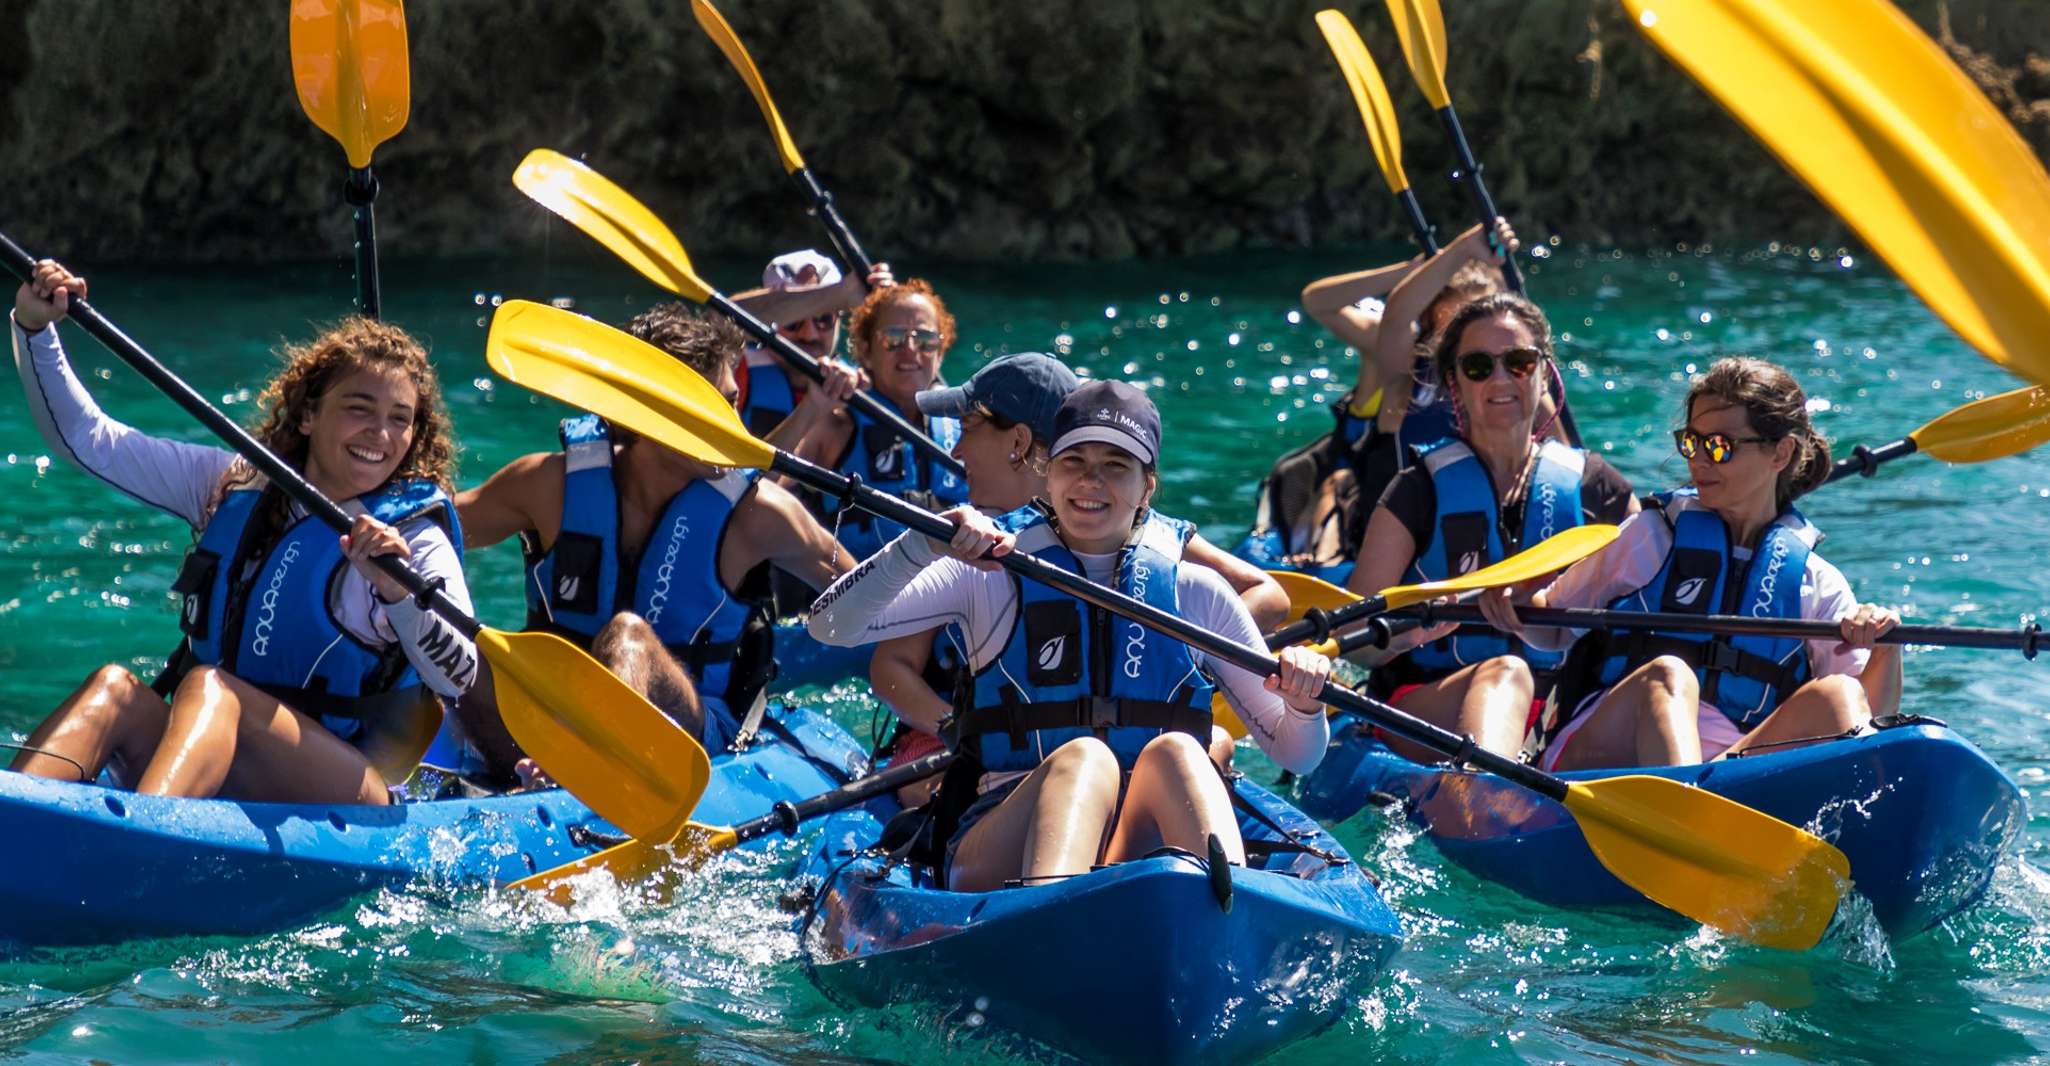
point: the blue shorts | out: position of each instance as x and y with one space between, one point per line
984 803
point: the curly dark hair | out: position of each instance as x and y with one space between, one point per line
707 343
861 339
1777 408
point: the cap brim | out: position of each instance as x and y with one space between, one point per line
945 403
1111 435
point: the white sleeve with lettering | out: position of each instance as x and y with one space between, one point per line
445 658
908 588
1295 740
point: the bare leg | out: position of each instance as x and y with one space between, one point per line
628 647
477 710
1645 719
1489 702
227 737
112 716
1051 825
1176 799
1822 709
1221 748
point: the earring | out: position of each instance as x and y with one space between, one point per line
1014 457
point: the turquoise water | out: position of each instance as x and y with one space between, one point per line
464 974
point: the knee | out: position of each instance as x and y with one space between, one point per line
1084 761
1843 693
1172 752
199 682
1671 673
1506 672
115 682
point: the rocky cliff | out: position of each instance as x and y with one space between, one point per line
971 129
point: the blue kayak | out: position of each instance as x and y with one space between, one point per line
1135 962
803 662
1922 814
97 865
1262 548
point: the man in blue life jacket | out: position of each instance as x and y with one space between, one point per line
806 298
652 560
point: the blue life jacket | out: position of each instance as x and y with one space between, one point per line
266 618
584 578
886 462
1745 677
1070 670
1430 417
770 395
1467 536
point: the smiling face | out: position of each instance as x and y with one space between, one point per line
1750 479
1502 404
359 430
1097 491
816 336
902 351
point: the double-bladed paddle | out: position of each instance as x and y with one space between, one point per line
1370 95
817 199
589 201
2026 639
1716 861
349 65
1880 124
558 702
1992 428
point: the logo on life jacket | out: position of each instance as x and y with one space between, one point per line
566 586
1469 562
1767 585
1689 591
1050 652
191 608
889 462
268 616
659 599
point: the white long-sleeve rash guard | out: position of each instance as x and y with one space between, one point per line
181 478
906 588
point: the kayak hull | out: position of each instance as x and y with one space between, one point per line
1922 814
102 865
1135 962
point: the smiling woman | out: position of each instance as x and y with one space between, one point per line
306 674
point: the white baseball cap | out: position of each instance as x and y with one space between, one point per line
783 271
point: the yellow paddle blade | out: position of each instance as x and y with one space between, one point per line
736 53
594 733
1895 138
1305 592
349 64
1997 426
1554 553
653 863
589 201
626 381
1421 28
1369 94
1712 859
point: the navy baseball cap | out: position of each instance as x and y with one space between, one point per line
1027 387
1109 412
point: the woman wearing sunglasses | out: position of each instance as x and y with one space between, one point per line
1731 544
899 336
1082 734
1496 487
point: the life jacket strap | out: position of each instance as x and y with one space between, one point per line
1714 655
1089 712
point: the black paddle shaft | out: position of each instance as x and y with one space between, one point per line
785 816
2027 639
281 474
821 204
1461 749
1419 226
360 191
864 402
1470 175
1865 461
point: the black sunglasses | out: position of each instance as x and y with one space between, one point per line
1480 366
1720 446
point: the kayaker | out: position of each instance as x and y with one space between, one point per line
1499 485
899 336
1039 788
1006 411
805 297
306 675
647 557
1732 543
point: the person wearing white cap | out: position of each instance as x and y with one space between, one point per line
1063 701
804 296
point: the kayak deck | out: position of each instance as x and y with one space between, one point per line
1134 962
98 865
1923 816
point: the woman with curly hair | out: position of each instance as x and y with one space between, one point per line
900 334
306 674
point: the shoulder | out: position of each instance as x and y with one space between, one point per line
768 507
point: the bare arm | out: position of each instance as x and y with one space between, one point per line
1384 555
772 526
524 494
1395 347
1881 680
897 671
789 305
1340 291
1262 594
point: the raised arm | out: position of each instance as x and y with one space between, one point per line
1395 346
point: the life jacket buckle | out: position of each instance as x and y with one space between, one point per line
1102 712
1720 656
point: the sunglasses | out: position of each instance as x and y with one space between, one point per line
1519 362
1719 446
925 340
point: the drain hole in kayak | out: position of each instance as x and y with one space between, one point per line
975 911
115 805
335 820
546 819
